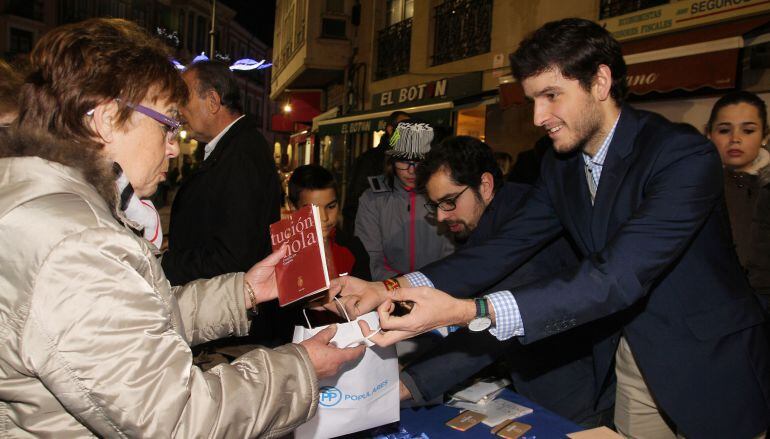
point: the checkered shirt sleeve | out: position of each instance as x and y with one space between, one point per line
417 279
508 321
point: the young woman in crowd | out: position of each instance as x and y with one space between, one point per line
738 128
94 339
392 221
313 184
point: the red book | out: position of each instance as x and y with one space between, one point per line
304 271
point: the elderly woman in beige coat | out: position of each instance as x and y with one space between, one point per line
93 340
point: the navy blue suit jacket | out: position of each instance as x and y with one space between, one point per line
657 255
557 373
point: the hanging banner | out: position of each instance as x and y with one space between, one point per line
680 15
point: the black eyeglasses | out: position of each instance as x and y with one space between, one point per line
447 204
403 165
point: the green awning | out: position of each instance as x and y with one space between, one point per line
439 114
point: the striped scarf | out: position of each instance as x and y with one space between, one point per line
140 212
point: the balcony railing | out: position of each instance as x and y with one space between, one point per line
613 8
394 45
463 29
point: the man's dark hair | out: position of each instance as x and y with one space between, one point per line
215 75
466 158
735 98
309 177
575 46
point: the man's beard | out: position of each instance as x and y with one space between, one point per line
478 211
587 129
462 235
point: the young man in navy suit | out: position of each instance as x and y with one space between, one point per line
642 198
467 192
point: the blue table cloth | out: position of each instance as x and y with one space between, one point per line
432 421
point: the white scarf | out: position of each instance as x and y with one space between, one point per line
140 212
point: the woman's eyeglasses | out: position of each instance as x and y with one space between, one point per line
169 125
447 204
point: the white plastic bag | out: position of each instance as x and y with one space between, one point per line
364 394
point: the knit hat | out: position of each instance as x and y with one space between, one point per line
411 140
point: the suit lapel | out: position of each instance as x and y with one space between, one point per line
578 198
616 164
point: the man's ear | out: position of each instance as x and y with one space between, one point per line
104 121
213 101
487 187
602 82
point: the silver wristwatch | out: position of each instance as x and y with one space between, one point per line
482 322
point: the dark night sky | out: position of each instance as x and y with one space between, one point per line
255 15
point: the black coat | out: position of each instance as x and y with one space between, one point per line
221 216
657 251
222 212
557 373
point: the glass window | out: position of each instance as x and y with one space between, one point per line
335 6
333 28
180 24
21 41
408 9
200 35
190 30
398 10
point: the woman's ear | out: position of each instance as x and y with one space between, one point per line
104 121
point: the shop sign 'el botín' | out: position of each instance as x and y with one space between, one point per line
680 15
428 92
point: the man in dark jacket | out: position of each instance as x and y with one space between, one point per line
469 195
221 215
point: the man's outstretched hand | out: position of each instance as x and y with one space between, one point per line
430 309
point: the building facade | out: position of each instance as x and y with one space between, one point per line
184 25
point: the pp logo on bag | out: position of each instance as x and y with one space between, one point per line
329 396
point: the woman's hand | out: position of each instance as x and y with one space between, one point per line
261 279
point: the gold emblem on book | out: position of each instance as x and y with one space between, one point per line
300 281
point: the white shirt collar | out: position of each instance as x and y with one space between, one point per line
213 143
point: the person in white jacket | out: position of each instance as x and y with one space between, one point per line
392 221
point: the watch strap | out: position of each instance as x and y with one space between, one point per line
481 308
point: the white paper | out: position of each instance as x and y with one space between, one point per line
497 410
481 390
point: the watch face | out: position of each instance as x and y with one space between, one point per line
480 324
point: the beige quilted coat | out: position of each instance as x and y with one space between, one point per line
94 341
